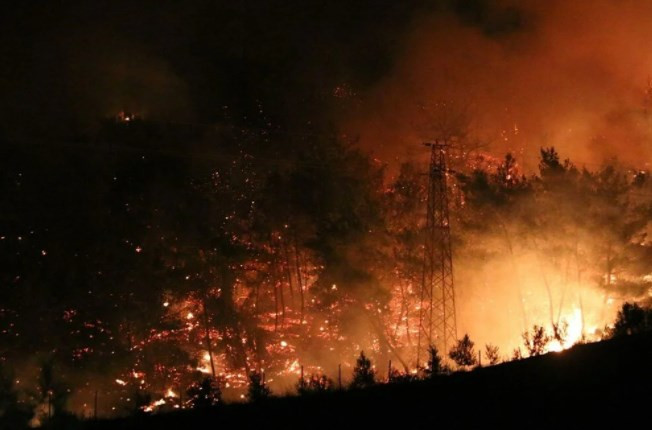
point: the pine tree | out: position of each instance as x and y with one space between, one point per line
434 362
364 375
463 354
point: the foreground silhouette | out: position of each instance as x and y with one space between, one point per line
588 384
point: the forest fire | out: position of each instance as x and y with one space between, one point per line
280 311
571 311
260 225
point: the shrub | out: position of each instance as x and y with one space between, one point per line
537 341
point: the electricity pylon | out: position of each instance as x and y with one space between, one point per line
437 318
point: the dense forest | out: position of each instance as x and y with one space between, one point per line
154 253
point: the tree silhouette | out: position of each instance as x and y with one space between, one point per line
205 393
560 331
491 352
363 373
632 319
434 362
537 341
463 353
257 389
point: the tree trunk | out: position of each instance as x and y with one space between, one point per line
545 283
512 259
288 271
383 340
297 261
207 335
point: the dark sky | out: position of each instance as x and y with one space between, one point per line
67 63
567 74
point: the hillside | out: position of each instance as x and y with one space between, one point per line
589 384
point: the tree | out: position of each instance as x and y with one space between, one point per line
560 332
257 389
364 375
434 362
537 341
632 319
550 165
463 353
205 393
491 352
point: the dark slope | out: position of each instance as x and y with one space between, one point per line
589 385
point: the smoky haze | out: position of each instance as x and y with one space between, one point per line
528 74
67 64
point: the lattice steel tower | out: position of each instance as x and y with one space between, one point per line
437 319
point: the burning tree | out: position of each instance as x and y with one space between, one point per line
245 260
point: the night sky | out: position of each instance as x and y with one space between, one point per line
67 64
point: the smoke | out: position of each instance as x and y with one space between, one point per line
84 73
573 75
126 78
66 65
522 75
569 74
